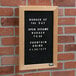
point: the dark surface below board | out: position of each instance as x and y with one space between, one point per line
38 33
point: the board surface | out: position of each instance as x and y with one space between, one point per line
38 35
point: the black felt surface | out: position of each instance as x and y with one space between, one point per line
38 57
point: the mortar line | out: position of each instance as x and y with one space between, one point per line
14 32
66 52
9 26
0 60
68 25
13 11
26 2
64 70
4 75
14 69
9 6
0 41
9 16
66 43
63 48
52 2
67 34
7 75
60 26
9 55
63 11
75 21
61 61
63 66
8 45
14 52
75 56
75 38
0 2
7 65
68 7
22 74
63 29
50 74
8 36
67 16
75 72
0 21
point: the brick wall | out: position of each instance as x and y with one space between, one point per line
9 36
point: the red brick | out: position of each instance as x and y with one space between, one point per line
6 31
10 21
59 66
17 50
70 30
10 41
70 12
4 70
65 39
64 3
63 73
6 50
20 71
16 31
70 65
70 47
60 48
9 60
66 21
6 11
66 56
60 13
38 74
60 30
17 12
39 2
13 2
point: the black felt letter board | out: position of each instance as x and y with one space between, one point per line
38 33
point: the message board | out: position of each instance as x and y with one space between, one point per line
38 37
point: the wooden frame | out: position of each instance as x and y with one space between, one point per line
21 36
